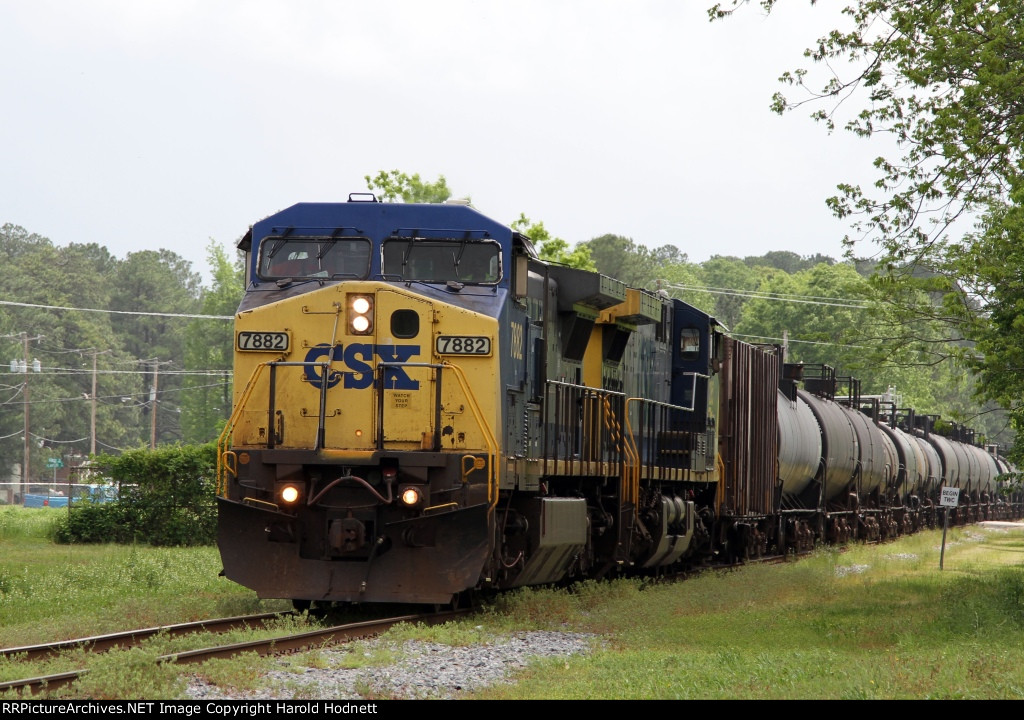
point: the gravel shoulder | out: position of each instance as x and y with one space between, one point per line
422 670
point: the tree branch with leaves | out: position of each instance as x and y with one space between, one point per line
943 80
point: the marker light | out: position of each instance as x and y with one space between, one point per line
289 494
360 314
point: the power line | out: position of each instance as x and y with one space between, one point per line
76 371
781 297
805 342
117 312
60 442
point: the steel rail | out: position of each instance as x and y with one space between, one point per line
99 643
284 643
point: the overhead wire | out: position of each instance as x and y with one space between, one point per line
118 312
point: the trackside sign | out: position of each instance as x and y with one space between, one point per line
950 497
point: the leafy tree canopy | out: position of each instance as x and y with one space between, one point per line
394 185
209 345
686 281
732 281
390 186
787 261
551 248
943 80
637 265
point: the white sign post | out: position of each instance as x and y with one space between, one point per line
950 498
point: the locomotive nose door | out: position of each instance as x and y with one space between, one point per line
405 403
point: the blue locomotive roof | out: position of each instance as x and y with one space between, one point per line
377 222
380 220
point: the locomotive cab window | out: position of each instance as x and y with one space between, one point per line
314 258
438 261
689 342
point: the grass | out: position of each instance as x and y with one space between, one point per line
874 622
870 622
50 592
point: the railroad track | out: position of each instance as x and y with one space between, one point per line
101 643
279 644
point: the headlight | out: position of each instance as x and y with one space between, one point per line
360 314
410 495
289 493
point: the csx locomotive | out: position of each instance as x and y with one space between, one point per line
424 409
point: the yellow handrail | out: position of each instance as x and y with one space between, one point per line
631 485
224 467
485 428
222 441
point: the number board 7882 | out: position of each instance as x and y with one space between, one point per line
462 345
252 341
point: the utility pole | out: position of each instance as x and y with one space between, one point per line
23 367
26 458
152 400
92 397
92 419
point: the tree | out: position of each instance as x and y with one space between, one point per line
206 399
787 261
621 258
732 281
831 315
553 249
410 188
162 284
685 281
997 257
944 79
820 311
86 341
49 292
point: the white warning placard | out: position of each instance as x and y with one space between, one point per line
950 497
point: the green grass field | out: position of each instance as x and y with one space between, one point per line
868 622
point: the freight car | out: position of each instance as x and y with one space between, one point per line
424 409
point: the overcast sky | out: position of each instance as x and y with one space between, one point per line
167 123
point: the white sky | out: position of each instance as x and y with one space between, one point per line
142 124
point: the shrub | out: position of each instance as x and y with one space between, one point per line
91 523
166 498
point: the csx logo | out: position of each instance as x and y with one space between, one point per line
357 358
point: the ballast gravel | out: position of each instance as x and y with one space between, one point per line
422 670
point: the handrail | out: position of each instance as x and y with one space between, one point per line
485 428
474 406
631 485
555 447
632 491
224 467
229 428
380 372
